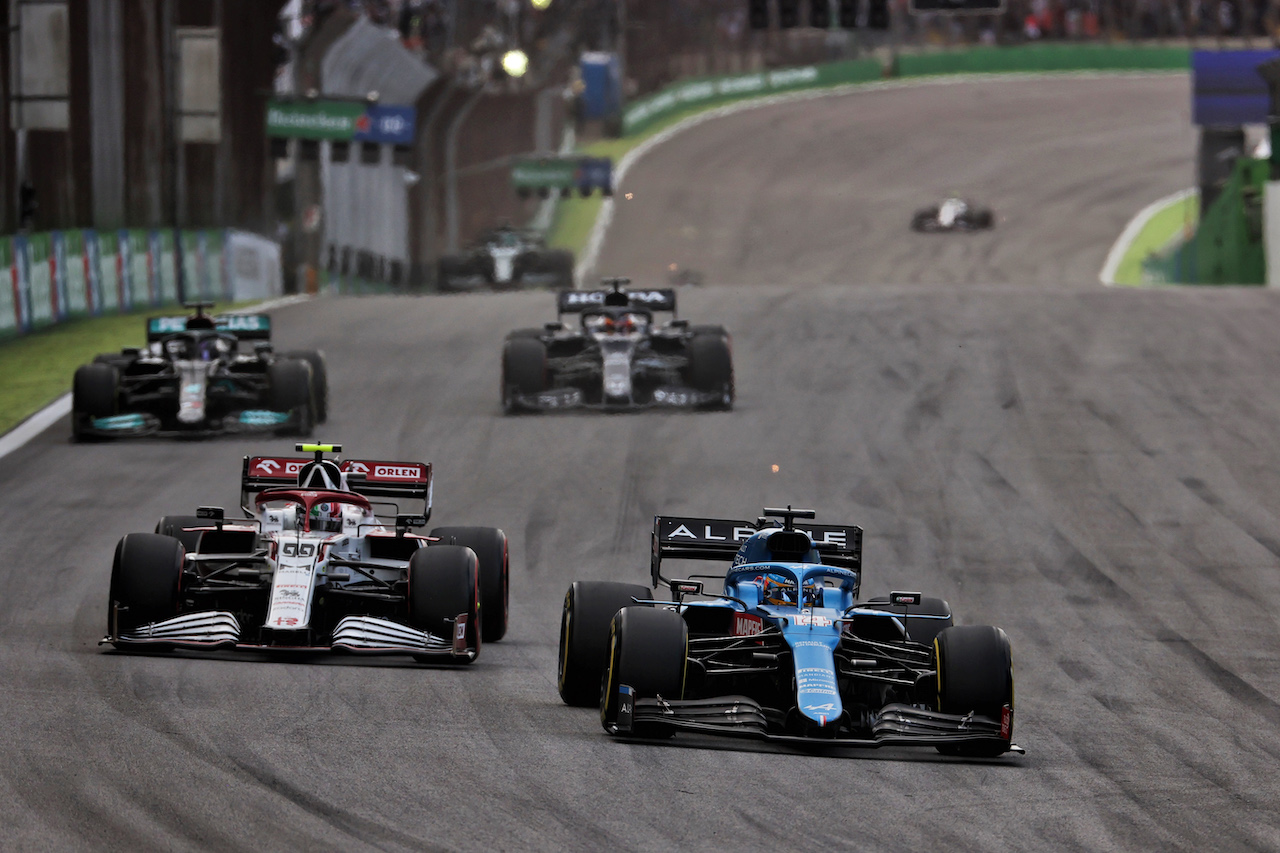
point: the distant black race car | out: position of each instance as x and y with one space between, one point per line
618 357
506 258
193 378
954 214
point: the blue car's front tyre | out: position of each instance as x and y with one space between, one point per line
648 652
975 675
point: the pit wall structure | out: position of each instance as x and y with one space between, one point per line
641 114
51 277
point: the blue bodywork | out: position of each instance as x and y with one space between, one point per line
787 652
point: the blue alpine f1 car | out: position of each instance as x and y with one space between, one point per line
786 651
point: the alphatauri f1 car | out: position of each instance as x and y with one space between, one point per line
194 379
312 568
506 258
618 357
786 651
954 214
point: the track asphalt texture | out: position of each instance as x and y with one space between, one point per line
1090 468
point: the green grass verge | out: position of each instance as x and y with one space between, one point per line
576 216
36 369
1172 223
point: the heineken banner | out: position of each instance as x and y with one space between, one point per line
341 120
49 277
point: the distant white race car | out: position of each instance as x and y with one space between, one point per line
506 258
954 214
312 568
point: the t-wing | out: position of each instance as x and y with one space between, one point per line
719 539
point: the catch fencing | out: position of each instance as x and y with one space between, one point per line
50 277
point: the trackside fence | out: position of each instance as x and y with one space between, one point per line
50 277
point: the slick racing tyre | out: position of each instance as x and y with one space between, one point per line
451 273
975 674
925 220
524 369
319 380
444 582
490 547
93 395
174 525
589 607
918 630
290 390
648 651
711 367
560 263
146 579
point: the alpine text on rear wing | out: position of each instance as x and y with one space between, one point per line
719 539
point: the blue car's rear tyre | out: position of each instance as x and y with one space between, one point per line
589 607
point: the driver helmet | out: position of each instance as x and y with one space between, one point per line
778 590
326 516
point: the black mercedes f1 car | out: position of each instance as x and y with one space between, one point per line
194 378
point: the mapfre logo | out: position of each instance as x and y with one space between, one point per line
747 625
397 472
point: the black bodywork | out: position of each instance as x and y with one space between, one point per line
196 376
617 356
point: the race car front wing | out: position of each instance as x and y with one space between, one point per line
668 396
741 716
359 634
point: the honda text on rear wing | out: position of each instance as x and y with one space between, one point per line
719 539
577 301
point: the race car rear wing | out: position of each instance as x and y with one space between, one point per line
577 301
246 327
719 539
372 478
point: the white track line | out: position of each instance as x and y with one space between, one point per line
1131 231
50 414
587 263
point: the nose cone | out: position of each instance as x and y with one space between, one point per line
817 695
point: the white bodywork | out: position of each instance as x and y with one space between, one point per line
951 210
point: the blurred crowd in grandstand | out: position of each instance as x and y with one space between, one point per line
670 39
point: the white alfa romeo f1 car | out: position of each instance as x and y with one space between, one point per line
313 568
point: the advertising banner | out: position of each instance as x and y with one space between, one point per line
49 277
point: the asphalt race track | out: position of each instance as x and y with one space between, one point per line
1092 469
